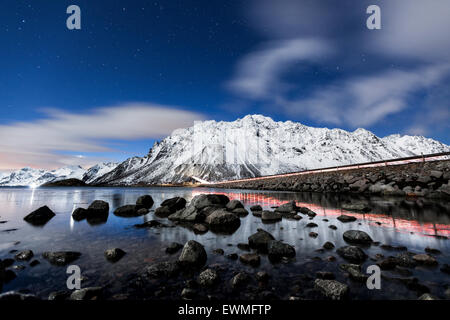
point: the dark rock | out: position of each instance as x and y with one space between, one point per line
79 214
239 280
262 276
218 251
150 224
313 234
388 263
193 254
244 246
425 259
331 289
257 214
356 236
8 276
256 208
403 271
40 216
241 212
59 295
328 245
427 296
222 220
307 211
277 250
333 227
188 294
208 278
445 268
355 207
174 247
270 216
354 272
405 259
24 255
98 212
91 293
129 210
234 204
287 207
200 228
251 259
344 218
163 212
432 250
260 240
142 211
145 201
163 269
188 214
232 256
325 275
352 254
17 296
6 263
114 255
311 225
174 204
34 263
208 200
61 258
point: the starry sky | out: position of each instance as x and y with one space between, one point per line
139 69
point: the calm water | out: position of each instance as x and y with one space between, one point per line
414 224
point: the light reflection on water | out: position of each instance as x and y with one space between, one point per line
410 223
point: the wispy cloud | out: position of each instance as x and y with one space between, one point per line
41 143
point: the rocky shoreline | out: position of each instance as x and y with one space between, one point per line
421 179
185 274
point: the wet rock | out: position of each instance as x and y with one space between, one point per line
277 250
313 234
352 254
129 210
344 218
432 250
332 289
240 212
270 216
234 204
260 240
307 211
256 208
357 236
6 263
218 251
34 263
427 296
163 212
251 259
388 263
405 259
208 278
257 214
244 246
311 225
208 200
328 245
98 212
239 280
114 255
287 207
8 275
222 220
232 256
17 296
61 258
354 272
325 275
193 254
188 294
403 271
24 255
333 227
40 216
436 174
262 276
393 248
91 293
79 214
145 201
150 224
355 207
163 269
188 214
200 228
425 259
59 295
174 247
174 204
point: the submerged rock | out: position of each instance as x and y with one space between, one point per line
332 289
277 250
174 247
163 269
251 259
114 255
145 201
356 207
129 210
425 259
354 272
357 236
40 217
328 245
344 218
61 258
239 280
256 208
24 255
91 293
352 254
193 254
270 216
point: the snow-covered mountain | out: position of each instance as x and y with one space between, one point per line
37 177
257 145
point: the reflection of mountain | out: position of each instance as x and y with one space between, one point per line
425 218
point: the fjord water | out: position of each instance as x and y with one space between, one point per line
413 223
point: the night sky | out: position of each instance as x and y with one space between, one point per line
159 65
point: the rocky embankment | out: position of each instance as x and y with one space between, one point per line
185 273
427 179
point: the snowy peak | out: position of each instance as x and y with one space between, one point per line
257 145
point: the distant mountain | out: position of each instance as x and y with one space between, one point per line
255 146
37 177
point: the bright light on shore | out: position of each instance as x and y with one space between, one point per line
33 186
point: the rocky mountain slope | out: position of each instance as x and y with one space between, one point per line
257 145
